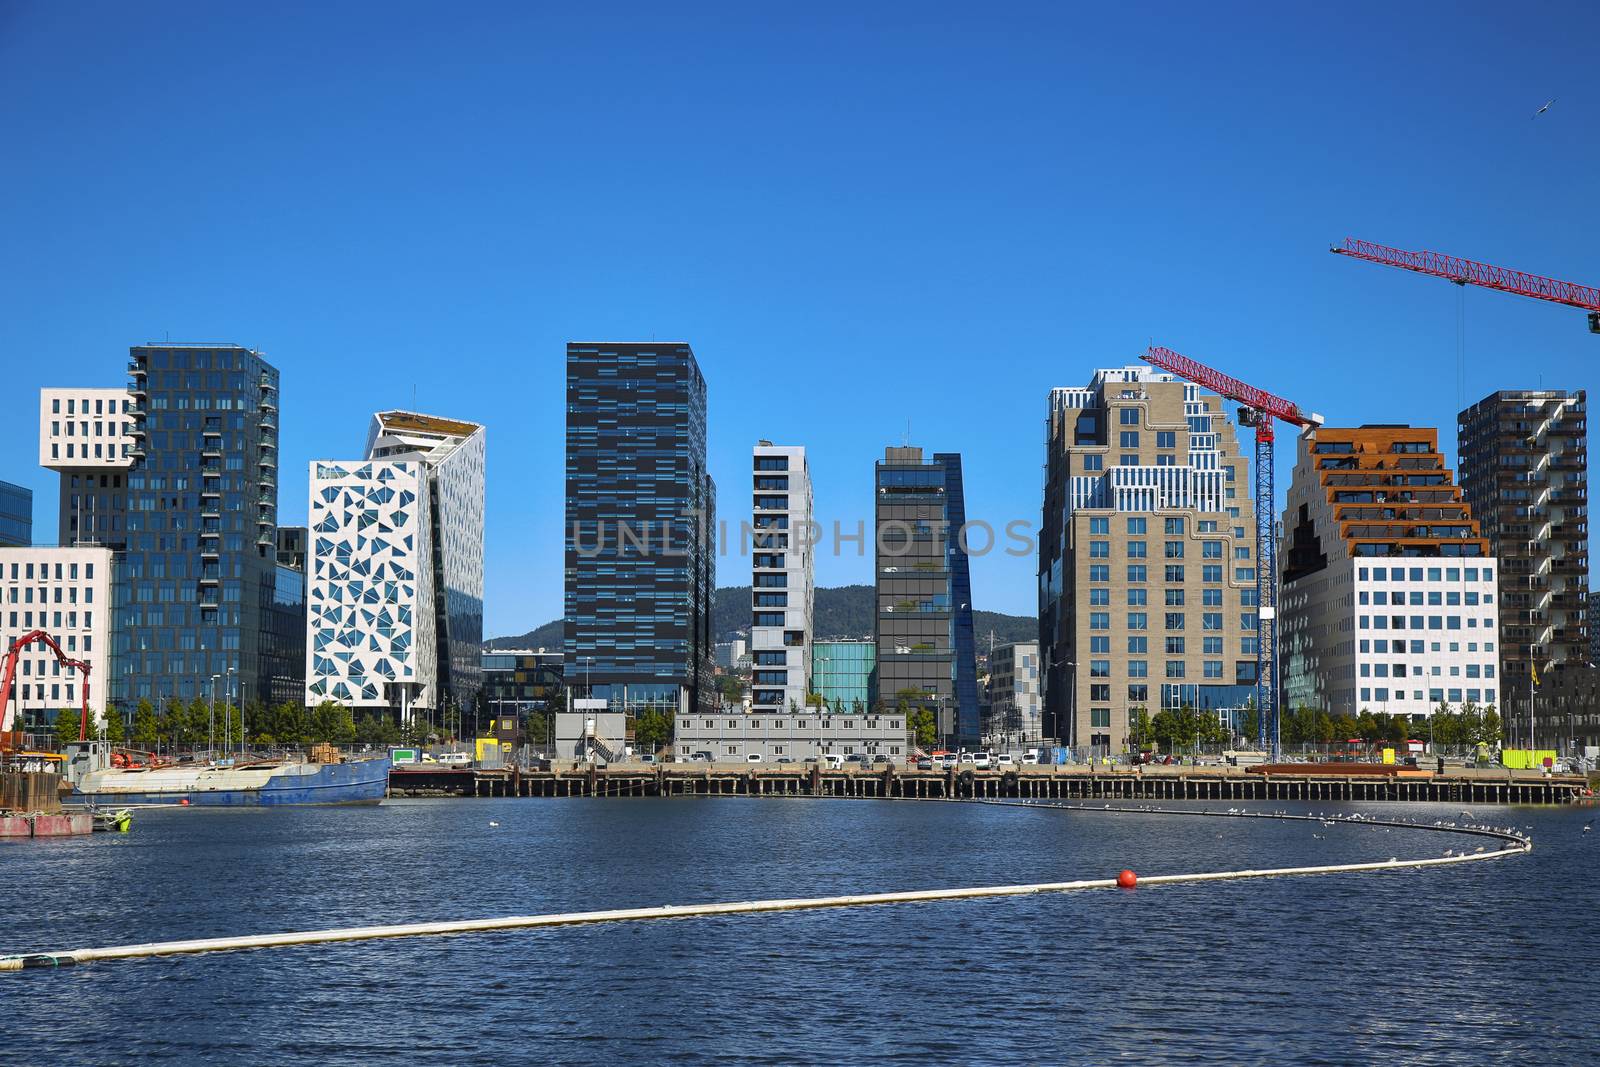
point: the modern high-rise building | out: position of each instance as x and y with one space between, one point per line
843 673
285 634
1388 595
1525 472
640 522
781 579
16 516
178 473
395 602
1015 704
926 658
1147 557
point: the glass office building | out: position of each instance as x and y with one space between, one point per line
842 673
178 473
16 516
926 654
640 517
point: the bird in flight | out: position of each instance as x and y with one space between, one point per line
1546 107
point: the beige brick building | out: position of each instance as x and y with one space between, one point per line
1147 559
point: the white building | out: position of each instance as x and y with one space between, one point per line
1388 600
1015 704
782 580
729 653
82 429
65 592
397 546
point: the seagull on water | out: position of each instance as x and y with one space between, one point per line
493 823
1588 826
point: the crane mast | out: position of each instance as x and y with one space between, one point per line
1258 410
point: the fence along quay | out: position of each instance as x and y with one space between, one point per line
1044 783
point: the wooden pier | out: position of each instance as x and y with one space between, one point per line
1043 783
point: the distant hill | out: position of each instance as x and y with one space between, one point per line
845 611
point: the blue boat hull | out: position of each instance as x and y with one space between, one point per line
362 782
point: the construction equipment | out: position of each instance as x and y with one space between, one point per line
12 740
1468 272
1259 410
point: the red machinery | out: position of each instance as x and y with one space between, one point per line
1260 408
9 739
1468 272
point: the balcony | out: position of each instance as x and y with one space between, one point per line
137 390
136 368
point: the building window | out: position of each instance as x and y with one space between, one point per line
1128 416
1128 439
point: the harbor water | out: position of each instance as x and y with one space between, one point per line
1468 964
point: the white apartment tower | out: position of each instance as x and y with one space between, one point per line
66 592
782 589
394 597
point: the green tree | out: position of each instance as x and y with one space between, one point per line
146 728
332 722
1140 730
537 728
67 722
198 729
1490 729
652 730
732 687
1252 720
923 725
113 729
1367 726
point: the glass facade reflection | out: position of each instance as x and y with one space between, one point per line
16 515
926 654
640 563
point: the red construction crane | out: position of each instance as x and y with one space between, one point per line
9 740
1468 272
1259 410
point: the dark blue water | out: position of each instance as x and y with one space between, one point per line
1464 964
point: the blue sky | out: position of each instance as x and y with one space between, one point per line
858 215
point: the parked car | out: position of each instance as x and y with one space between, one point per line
981 761
880 759
700 757
833 760
966 757
925 763
857 759
1005 761
647 758
948 760
1031 757
752 757
455 759
785 759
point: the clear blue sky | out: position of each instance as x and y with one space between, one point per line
857 214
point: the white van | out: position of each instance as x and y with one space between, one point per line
455 759
752 757
833 761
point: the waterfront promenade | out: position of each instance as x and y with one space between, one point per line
1456 786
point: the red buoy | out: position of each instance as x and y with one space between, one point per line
1127 879
184 802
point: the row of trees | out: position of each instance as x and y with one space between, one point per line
177 724
1470 724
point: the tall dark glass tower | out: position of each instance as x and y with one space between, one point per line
186 492
640 517
926 653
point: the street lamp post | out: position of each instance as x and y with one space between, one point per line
227 717
211 728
